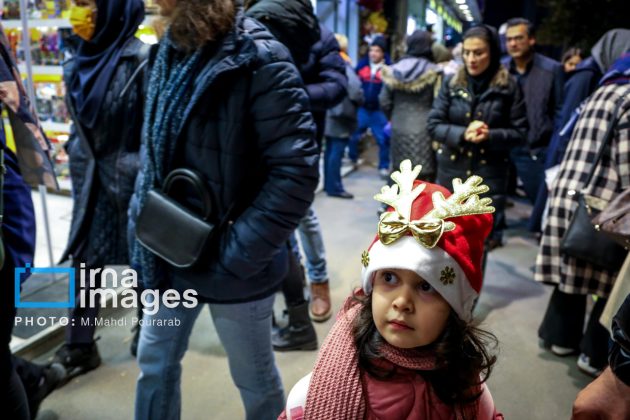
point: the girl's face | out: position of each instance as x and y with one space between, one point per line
407 311
571 63
476 55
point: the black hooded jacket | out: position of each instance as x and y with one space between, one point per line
323 70
291 22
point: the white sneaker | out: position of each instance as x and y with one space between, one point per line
562 351
584 364
384 173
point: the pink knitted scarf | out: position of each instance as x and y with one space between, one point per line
335 391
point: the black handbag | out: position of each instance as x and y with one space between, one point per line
173 232
582 240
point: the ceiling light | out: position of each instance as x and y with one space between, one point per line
464 7
460 1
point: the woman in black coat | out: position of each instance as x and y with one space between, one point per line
105 96
478 116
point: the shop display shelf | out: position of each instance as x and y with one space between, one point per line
37 23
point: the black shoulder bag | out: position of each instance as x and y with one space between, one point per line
582 240
171 231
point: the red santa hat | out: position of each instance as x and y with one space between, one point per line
438 234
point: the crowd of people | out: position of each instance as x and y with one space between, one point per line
241 101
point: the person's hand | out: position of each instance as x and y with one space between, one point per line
476 132
606 398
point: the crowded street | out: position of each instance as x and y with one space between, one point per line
527 383
314 209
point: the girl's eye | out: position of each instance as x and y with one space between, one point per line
426 287
389 278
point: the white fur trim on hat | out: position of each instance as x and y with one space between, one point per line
434 265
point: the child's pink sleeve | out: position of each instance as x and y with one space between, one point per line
486 406
296 401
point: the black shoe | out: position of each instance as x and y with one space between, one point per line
133 348
299 334
493 244
78 358
53 377
342 194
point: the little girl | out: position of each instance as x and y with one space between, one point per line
404 347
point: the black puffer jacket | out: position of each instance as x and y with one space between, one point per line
104 162
292 22
501 106
323 70
249 132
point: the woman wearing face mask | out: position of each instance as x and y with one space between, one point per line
104 81
478 116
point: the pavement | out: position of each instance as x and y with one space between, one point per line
527 382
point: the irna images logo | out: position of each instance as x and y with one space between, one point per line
97 286
60 271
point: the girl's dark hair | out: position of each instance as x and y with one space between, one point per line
463 355
570 53
194 23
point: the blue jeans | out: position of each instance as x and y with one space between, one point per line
333 154
313 246
530 167
376 121
245 332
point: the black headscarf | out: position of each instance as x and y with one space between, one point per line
292 22
419 45
480 83
96 60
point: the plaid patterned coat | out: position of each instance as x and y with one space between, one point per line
612 175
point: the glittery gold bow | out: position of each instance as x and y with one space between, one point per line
393 227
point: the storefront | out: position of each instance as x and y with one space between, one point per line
38 35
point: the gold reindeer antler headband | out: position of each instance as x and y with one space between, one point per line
429 229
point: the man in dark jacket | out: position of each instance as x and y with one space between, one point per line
237 113
541 80
103 150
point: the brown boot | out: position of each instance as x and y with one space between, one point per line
319 307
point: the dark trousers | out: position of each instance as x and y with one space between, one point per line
530 167
498 187
80 329
293 283
333 154
563 325
376 121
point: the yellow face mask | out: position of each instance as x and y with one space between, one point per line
82 21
